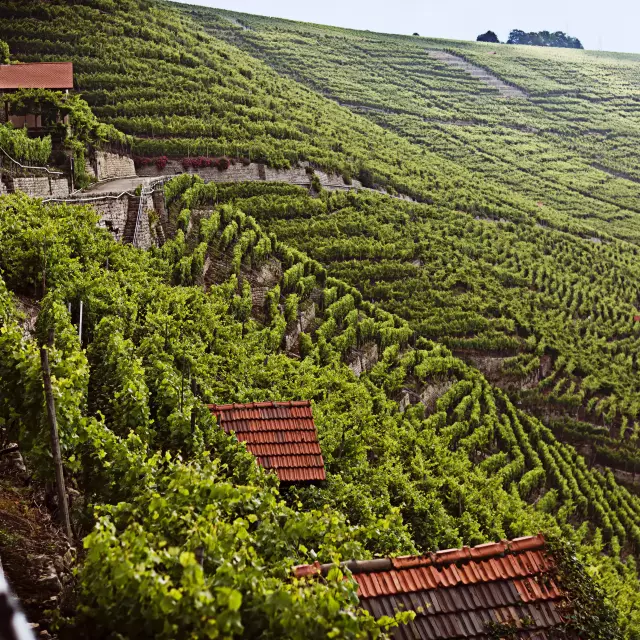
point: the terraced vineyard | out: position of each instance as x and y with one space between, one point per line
556 139
445 342
493 291
561 146
460 464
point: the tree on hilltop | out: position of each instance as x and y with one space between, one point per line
544 39
489 36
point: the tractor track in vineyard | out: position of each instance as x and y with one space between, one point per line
480 73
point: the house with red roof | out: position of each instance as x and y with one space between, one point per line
56 76
282 436
502 589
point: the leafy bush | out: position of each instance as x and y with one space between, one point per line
21 147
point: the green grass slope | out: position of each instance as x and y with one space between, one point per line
160 77
181 91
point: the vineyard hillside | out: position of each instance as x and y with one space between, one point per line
470 348
536 300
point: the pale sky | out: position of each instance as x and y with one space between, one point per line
611 25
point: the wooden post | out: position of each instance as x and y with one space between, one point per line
80 325
194 390
55 442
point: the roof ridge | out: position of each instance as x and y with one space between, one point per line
258 405
480 552
26 64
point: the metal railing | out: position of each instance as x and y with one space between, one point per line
28 168
106 196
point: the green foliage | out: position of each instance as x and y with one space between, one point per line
196 554
20 147
83 128
119 391
4 53
478 285
291 308
519 203
55 105
179 185
544 39
591 614
489 36
174 488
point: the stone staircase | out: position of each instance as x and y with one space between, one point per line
132 216
504 89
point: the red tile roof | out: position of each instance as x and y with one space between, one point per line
37 75
463 593
281 435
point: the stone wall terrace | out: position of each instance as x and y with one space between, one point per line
40 186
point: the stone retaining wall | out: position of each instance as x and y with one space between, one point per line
252 172
41 186
144 229
296 174
112 165
235 173
262 279
162 230
89 169
113 214
113 209
363 359
59 187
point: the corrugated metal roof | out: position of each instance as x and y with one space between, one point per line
37 75
282 436
463 593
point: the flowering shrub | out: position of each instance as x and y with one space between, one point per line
143 161
199 162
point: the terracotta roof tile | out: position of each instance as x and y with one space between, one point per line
282 435
488 550
452 555
458 593
524 544
37 75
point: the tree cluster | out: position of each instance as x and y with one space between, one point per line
544 39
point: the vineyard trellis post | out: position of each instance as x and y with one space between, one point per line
55 441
